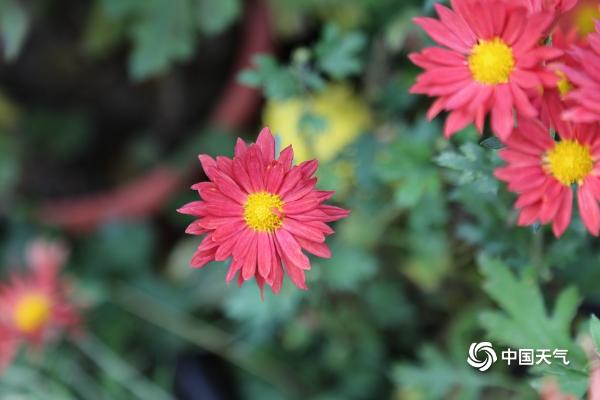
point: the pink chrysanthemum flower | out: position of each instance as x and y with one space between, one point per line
585 78
34 306
492 61
262 212
543 172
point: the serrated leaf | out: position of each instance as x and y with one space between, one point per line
524 309
472 165
338 53
524 322
452 160
405 164
278 82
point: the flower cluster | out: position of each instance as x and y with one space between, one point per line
34 305
532 67
262 212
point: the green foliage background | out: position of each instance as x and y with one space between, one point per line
429 261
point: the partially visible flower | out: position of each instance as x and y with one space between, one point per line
34 305
557 7
552 101
344 116
580 19
585 78
492 59
543 172
261 212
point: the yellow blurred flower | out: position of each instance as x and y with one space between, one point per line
345 116
581 17
585 15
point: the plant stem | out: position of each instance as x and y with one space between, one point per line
119 370
203 335
537 257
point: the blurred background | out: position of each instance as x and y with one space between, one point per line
104 107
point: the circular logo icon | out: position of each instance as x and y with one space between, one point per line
484 349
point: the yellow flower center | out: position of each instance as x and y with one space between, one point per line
32 312
569 162
563 85
259 211
491 61
584 19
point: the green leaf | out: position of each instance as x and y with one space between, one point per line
14 24
278 82
312 124
472 166
250 78
257 317
349 268
405 163
214 16
439 377
163 35
524 322
595 331
338 53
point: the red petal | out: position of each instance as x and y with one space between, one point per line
318 249
264 254
290 248
249 266
266 143
303 230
